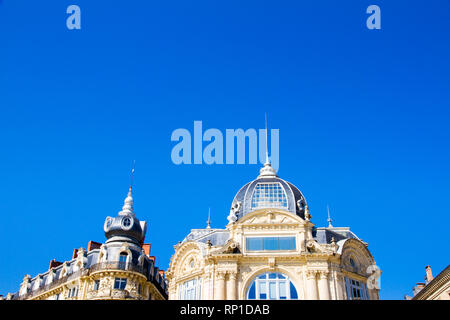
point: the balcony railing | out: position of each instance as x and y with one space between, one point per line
52 285
114 265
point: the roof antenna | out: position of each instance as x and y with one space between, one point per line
329 219
267 170
267 143
132 174
208 223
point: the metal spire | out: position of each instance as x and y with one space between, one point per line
329 218
267 170
127 208
267 142
132 174
208 223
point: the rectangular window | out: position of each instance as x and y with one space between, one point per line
282 288
355 290
287 243
270 243
255 244
73 292
120 283
190 290
262 291
272 290
96 284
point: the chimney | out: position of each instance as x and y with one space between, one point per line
429 274
74 254
93 245
147 247
54 264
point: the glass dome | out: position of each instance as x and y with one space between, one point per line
267 191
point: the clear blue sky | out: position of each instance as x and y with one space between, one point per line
363 118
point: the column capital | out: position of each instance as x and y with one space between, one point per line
311 274
233 275
324 274
221 275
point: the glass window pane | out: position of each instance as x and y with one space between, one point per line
251 291
262 287
282 288
272 290
293 291
270 243
272 275
287 243
254 244
269 195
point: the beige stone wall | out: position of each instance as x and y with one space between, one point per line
84 288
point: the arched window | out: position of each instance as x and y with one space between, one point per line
272 286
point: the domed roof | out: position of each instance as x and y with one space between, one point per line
126 226
267 191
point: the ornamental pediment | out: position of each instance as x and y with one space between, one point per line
271 218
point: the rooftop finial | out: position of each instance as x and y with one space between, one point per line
329 218
208 223
127 208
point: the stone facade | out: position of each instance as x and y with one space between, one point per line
321 263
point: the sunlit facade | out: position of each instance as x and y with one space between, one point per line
271 250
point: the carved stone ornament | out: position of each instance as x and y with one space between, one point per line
235 208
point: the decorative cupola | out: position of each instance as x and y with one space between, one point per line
126 227
268 191
267 171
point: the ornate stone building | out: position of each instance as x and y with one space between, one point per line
119 269
270 249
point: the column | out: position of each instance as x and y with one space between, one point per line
231 286
311 285
220 288
324 288
340 288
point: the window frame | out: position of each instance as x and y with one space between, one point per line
119 282
356 289
190 289
292 238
